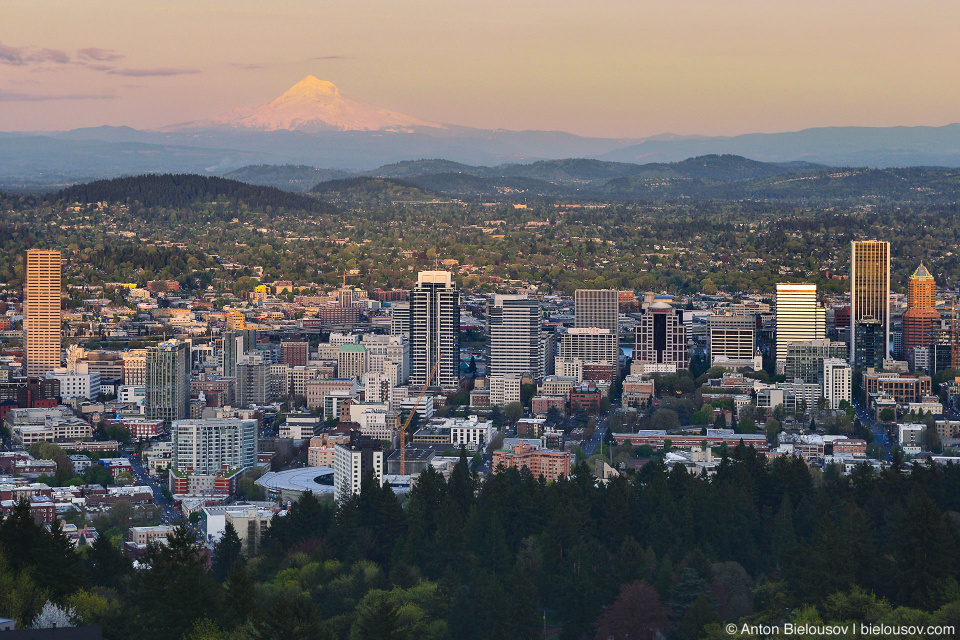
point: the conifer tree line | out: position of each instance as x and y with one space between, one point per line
652 553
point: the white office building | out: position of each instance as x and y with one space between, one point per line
76 385
837 377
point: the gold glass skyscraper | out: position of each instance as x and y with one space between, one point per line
869 289
41 322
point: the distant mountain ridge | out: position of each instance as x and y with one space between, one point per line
314 124
709 178
571 172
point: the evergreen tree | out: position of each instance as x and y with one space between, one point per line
226 553
106 565
378 618
175 592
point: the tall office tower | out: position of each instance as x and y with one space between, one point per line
799 317
732 338
870 342
235 344
921 320
168 381
836 382
869 289
251 380
213 444
41 311
660 340
400 320
513 335
598 308
435 330
294 353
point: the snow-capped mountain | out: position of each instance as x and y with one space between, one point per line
312 105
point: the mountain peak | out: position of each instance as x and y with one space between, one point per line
313 86
310 106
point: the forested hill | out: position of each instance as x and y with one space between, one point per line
184 190
366 190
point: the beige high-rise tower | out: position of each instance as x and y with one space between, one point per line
41 323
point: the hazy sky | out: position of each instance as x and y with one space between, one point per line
603 67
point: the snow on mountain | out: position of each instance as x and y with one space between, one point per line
312 105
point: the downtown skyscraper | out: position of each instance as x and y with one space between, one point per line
513 334
799 317
599 308
869 294
41 311
435 330
168 381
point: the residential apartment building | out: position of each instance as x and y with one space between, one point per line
837 380
435 330
168 381
504 389
212 445
552 465
353 461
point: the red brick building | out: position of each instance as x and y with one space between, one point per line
586 397
550 464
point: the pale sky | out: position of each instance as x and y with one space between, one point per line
615 68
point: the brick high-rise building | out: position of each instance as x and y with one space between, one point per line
41 310
921 319
294 354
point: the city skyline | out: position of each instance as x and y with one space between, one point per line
634 70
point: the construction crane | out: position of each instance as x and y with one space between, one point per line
403 429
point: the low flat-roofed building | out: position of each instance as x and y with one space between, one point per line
146 535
